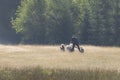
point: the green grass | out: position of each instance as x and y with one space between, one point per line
57 74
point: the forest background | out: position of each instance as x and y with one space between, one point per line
94 22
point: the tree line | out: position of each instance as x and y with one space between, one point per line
94 22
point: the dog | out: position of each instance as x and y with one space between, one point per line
62 47
69 47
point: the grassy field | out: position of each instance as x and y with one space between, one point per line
49 63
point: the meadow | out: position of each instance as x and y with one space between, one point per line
42 62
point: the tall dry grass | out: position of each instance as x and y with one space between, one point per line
52 57
21 63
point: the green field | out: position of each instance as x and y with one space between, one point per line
37 62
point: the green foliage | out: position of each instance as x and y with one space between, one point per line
33 15
55 21
30 21
60 22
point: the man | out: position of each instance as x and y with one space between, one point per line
75 42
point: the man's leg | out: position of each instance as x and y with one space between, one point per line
73 47
78 47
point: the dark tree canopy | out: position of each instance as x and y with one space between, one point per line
94 22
